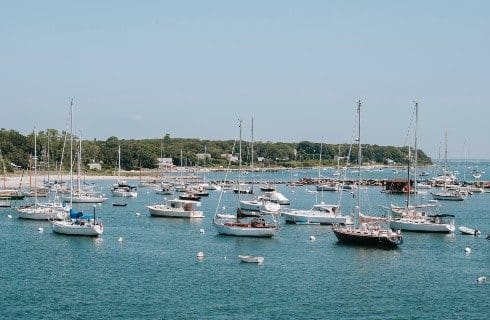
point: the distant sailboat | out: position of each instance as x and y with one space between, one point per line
236 225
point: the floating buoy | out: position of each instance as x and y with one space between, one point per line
99 204
9 216
201 231
467 250
137 214
225 258
481 279
40 229
312 238
200 255
120 240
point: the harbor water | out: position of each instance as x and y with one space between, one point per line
153 273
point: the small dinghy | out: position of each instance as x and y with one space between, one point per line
466 230
114 204
251 259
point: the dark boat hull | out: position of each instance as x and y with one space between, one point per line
368 241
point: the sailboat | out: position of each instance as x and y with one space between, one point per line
367 233
76 223
83 195
37 211
122 188
260 203
5 201
448 194
413 217
237 225
328 186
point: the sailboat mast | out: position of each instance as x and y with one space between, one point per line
252 155
239 159
320 161
71 152
119 162
35 165
48 155
416 157
408 175
446 174
79 165
359 159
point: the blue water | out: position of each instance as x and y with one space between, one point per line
154 273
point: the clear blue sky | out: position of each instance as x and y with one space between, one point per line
191 68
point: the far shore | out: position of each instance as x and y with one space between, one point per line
15 180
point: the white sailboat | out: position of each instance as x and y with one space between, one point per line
122 188
37 211
261 203
83 195
415 218
236 225
446 193
76 224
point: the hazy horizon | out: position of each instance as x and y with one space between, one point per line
191 69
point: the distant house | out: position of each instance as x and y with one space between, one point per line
164 163
230 157
203 156
97 166
389 161
260 159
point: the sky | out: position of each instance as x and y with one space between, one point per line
142 69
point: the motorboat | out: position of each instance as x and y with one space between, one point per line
450 195
251 259
469 231
259 204
277 197
163 189
189 196
318 214
328 187
122 189
176 208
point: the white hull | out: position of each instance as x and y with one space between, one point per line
469 231
314 217
255 205
125 194
448 197
87 199
251 259
70 228
248 231
327 188
421 225
41 213
166 211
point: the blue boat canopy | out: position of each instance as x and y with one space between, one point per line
75 215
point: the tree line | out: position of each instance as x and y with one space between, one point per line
53 146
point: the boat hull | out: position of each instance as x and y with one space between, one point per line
228 230
421 226
362 239
164 211
68 228
303 217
